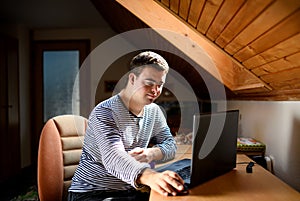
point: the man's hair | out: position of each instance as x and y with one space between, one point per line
148 58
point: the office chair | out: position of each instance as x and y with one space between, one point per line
58 155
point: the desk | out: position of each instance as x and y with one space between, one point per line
236 185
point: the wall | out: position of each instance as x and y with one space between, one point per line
277 124
95 35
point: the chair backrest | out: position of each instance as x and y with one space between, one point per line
59 153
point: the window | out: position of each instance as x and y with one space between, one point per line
60 69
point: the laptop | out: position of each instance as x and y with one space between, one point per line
214 148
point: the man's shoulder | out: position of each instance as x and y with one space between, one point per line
153 107
106 108
107 103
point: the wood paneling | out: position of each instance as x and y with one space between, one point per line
174 6
279 51
184 8
195 12
263 36
208 14
245 15
284 63
282 32
227 12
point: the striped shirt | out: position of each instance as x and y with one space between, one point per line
112 131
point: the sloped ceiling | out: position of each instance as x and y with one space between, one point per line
255 45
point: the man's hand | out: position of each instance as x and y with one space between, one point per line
146 155
165 183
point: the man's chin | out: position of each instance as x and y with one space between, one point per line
150 100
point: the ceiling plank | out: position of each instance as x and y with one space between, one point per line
271 15
227 12
174 6
166 2
284 63
249 11
210 9
192 45
283 76
195 12
274 95
284 30
255 88
286 48
184 8
282 85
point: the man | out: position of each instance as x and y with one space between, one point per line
115 160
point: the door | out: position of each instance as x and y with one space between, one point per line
56 65
10 156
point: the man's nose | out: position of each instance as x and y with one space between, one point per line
155 89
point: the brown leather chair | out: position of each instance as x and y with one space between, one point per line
58 156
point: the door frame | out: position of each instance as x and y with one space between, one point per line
83 46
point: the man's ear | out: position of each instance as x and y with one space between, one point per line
131 78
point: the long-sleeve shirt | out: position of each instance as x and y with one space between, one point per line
112 131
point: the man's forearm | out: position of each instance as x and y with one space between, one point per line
145 177
155 153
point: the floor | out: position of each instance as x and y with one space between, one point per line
18 185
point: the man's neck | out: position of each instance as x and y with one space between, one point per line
133 107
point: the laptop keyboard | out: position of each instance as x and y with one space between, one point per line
185 172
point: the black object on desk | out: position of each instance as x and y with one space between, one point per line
249 167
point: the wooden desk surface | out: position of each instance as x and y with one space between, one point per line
236 185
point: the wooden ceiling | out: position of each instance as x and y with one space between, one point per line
254 44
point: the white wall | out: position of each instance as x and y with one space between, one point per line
277 124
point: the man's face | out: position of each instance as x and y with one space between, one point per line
148 85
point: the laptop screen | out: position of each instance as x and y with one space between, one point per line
214 145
